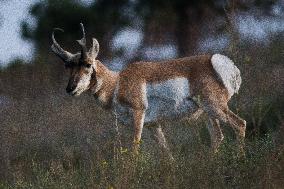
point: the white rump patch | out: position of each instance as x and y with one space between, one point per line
228 73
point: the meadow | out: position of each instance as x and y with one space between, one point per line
51 140
51 148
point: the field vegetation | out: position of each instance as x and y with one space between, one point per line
51 140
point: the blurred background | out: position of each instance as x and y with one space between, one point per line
50 140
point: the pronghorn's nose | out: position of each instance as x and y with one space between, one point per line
69 89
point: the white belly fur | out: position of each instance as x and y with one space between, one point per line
166 100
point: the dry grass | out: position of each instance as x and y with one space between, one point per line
43 145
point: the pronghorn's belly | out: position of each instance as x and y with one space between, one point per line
166 100
169 100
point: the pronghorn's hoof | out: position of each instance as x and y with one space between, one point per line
241 151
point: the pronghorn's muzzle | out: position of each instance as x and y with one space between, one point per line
70 89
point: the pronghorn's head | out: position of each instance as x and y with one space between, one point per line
82 65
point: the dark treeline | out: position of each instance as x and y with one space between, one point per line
47 135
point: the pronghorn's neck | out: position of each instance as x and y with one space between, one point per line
103 84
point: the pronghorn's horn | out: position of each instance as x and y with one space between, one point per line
82 43
61 53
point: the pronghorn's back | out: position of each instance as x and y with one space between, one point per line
165 70
191 67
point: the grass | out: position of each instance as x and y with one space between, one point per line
69 166
43 145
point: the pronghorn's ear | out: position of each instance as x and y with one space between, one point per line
94 50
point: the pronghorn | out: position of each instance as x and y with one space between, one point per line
149 92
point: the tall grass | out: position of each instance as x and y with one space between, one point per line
47 152
261 168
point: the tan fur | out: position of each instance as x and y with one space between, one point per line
109 82
197 69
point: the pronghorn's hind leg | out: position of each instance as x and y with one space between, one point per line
222 113
158 135
239 126
215 134
195 115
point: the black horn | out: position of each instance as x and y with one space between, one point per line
57 49
82 43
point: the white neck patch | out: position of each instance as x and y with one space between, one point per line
98 85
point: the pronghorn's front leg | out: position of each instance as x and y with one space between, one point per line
132 93
138 122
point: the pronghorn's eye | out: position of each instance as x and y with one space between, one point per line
88 65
